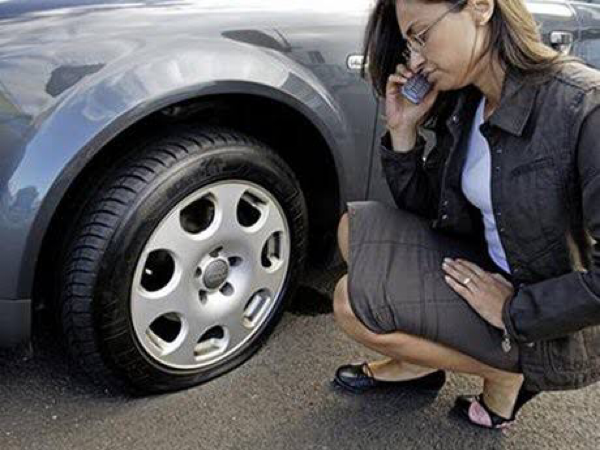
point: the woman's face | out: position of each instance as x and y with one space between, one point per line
452 46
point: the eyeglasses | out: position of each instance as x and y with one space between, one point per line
417 44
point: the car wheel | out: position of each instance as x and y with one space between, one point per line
183 261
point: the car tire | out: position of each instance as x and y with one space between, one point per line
158 259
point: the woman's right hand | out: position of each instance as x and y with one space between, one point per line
401 114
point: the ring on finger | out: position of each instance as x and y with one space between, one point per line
467 271
472 268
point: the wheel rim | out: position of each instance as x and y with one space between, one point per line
210 274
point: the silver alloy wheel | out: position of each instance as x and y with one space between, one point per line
210 274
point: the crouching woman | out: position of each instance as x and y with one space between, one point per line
489 263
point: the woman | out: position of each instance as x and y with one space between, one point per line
489 266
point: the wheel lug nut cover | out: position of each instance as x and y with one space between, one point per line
215 274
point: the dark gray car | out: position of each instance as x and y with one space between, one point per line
169 167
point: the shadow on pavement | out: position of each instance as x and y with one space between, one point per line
309 301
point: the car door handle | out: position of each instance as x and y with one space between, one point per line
561 41
355 62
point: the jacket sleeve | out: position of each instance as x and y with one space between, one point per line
566 304
414 183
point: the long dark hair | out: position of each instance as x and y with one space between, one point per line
514 36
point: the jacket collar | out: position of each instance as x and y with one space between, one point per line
516 103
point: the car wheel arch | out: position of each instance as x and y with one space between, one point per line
73 178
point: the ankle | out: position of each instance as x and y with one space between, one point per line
500 396
503 380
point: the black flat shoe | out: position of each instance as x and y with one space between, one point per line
474 409
353 378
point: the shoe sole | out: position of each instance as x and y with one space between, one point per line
349 388
356 390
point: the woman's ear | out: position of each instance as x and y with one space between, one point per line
481 11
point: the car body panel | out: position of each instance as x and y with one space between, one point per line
76 73
588 44
65 92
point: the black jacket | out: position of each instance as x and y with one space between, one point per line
545 188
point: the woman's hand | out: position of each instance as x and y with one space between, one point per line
401 113
486 292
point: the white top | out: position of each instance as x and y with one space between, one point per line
476 185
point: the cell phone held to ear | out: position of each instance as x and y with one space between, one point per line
416 88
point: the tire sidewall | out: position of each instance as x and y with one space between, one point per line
112 310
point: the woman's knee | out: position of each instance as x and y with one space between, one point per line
342 236
341 306
342 311
345 317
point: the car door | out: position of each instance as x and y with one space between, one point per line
588 44
559 28
329 45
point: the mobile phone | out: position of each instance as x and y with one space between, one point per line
416 88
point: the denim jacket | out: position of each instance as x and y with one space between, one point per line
544 140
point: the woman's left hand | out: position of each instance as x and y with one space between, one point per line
486 292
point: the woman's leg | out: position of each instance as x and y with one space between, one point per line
388 369
411 356
500 388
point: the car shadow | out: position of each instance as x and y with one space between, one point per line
43 365
309 301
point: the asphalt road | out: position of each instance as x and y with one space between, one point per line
281 399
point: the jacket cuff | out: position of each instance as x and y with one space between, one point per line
508 322
412 156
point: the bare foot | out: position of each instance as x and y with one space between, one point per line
393 370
